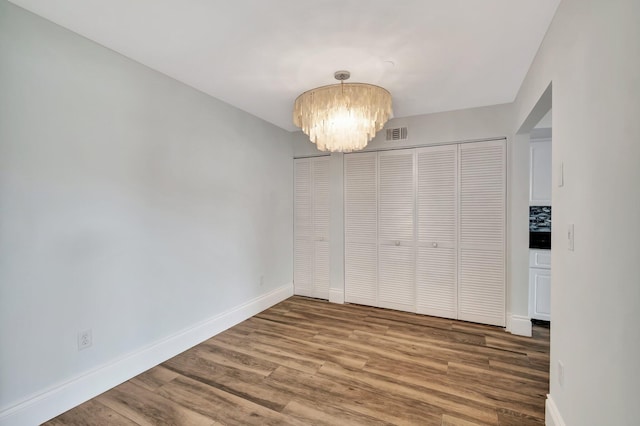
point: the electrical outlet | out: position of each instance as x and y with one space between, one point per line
85 339
561 373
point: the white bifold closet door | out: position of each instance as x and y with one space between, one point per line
481 274
361 228
311 227
437 248
396 229
425 230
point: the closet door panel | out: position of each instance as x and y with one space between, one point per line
436 206
481 291
397 280
361 273
302 199
436 289
361 228
321 270
397 194
303 229
396 230
311 227
481 276
303 267
321 208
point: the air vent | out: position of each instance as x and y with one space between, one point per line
397 134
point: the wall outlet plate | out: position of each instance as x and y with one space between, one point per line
85 339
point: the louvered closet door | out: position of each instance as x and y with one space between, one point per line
360 227
311 227
437 200
303 228
396 249
320 186
481 277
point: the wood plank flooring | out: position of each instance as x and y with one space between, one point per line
306 361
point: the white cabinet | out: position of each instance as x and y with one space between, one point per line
311 227
540 284
425 230
540 172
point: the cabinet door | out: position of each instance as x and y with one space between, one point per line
361 228
540 294
396 229
437 200
540 173
481 275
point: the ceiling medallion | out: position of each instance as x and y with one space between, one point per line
342 117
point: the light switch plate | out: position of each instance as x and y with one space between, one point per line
570 236
561 175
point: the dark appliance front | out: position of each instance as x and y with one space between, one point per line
540 227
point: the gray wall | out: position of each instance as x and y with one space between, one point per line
591 55
130 204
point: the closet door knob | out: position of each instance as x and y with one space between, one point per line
397 243
435 244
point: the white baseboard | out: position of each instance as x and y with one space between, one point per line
336 295
64 396
552 416
520 325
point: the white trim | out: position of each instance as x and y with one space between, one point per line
310 292
552 415
45 405
336 295
520 325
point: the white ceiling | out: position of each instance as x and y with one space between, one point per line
259 55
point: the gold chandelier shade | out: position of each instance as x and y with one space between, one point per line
342 117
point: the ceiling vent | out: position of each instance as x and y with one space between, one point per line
397 134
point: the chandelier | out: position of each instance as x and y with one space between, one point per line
342 117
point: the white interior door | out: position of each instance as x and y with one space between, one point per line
481 273
437 223
303 228
311 227
360 227
396 230
321 206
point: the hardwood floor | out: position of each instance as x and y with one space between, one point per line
306 361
